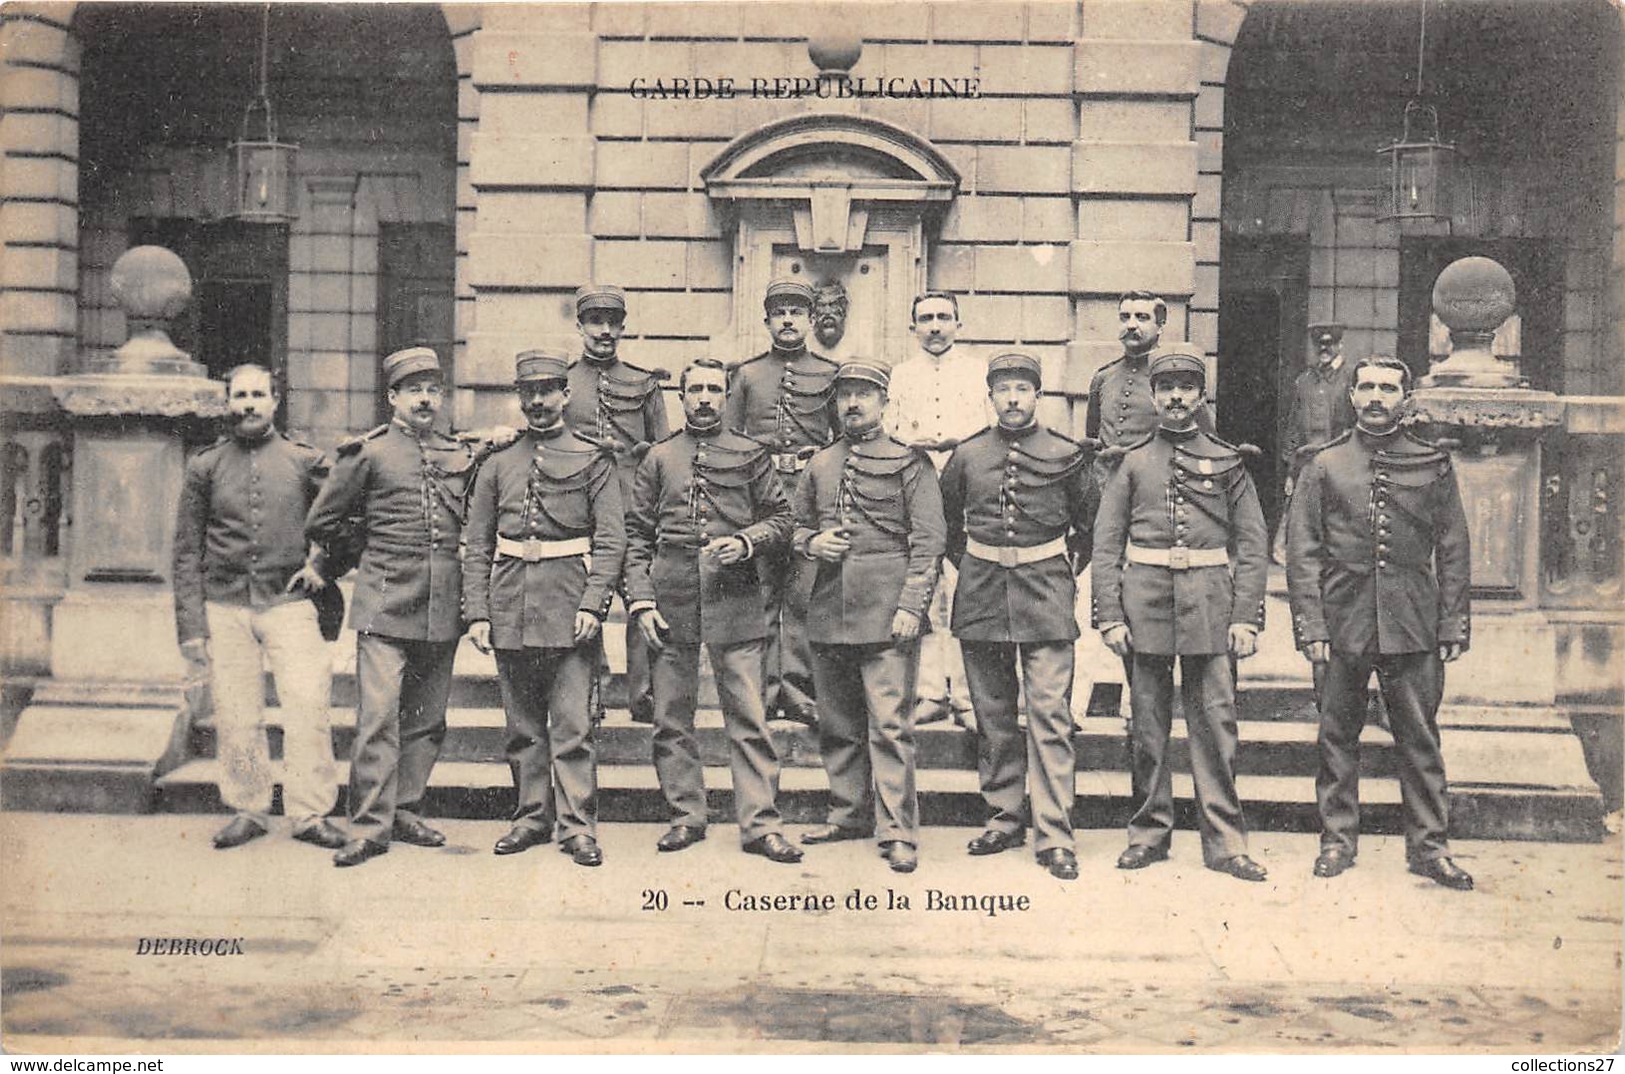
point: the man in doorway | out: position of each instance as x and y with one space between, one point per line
408 483
243 571
784 399
1179 572
546 540
938 399
1020 506
619 405
707 503
1379 572
869 514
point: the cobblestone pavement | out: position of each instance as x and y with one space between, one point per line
429 948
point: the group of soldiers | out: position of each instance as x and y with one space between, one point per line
827 533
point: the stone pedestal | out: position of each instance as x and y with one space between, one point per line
111 717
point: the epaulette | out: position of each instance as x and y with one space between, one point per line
823 358
1140 443
354 444
1101 372
743 362
673 435
220 442
1310 450
1249 450
592 442
658 374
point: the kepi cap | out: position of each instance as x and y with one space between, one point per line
404 363
530 366
788 289
1326 332
1179 358
863 369
1016 362
600 296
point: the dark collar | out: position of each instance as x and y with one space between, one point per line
1178 436
1017 434
552 432
705 432
875 433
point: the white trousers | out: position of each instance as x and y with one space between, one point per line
241 641
941 675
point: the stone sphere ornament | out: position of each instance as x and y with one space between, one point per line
1474 294
151 283
834 52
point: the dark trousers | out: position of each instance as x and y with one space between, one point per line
545 694
1009 761
1412 685
787 665
400 726
866 733
752 758
640 697
1208 692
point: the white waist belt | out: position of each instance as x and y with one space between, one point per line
1177 559
533 550
1011 556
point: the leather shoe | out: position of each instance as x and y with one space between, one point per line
1333 861
414 831
1061 863
1444 871
322 834
1138 856
241 830
521 837
773 847
995 842
833 834
1242 868
583 850
357 851
929 710
680 837
900 856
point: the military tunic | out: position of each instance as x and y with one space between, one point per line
545 489
1179 495
786 401
696 486
1320 409
407 496
1120 412
619 405
1379 566
1012 492
886 497
239 540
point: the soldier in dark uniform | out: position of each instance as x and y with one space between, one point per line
1020 505
409 485
869 514
546 541
1319 408
1179 571
707 503
618 405
242 572
784 398
1378 567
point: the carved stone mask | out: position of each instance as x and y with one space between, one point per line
830 304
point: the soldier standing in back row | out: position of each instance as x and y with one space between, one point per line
784 398
1179 571
409 485
546 540
619 405
1020 504
1378 566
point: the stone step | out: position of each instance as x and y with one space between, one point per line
949 797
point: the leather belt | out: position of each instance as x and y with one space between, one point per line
533 550
1013 556
1176 559
792 462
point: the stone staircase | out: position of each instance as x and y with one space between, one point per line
1515 773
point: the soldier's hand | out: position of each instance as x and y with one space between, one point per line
1318 652
653 626
1449 651
479 632
830 544
587 626
1288 487
905 625
1243 640
725 550
306 581
1118 639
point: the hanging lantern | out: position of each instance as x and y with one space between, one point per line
1419 163
263 169
1419 169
